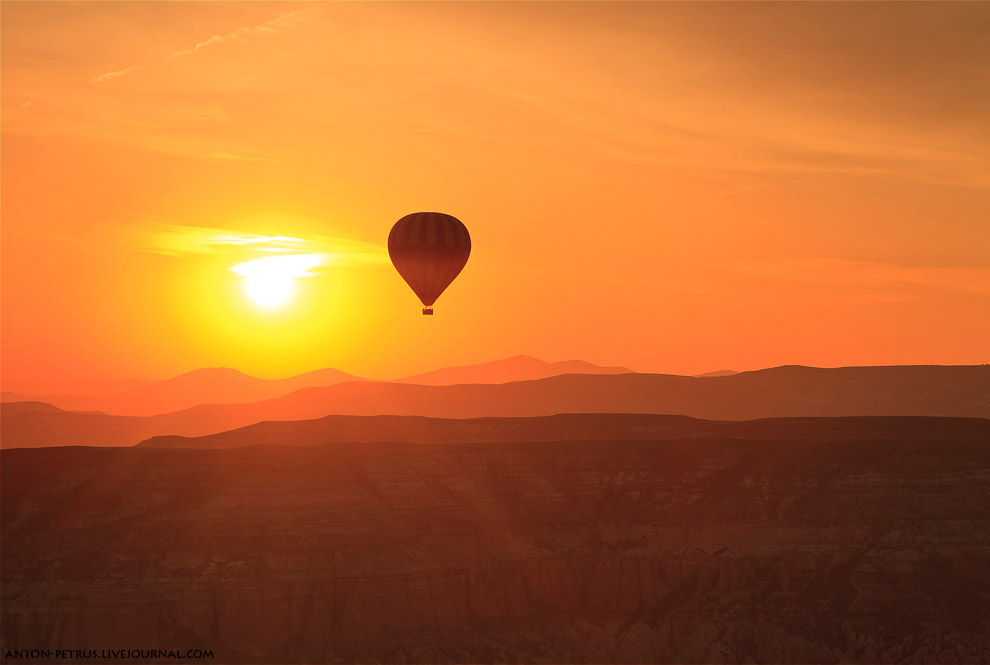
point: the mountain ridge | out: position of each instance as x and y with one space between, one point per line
507 370
191 388
563 427
953 391
226 385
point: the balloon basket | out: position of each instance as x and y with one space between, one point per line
427 311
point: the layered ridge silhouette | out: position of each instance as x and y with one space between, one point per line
220 385
516 368
571 427
209 385
778 546
952 391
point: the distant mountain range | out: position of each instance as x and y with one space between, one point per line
791 391
220 385
572 427
516 368
208 385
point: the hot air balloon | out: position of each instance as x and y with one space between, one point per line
429 249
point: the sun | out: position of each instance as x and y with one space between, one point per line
269 291
270 282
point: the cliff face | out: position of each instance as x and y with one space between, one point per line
640 551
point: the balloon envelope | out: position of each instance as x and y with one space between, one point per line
429 249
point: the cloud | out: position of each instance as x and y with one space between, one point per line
286 266
184 240
113 75
272 27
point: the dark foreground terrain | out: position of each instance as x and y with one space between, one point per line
871 548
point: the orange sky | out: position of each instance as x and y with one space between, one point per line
671 187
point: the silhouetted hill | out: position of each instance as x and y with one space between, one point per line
213 385
805 549
955 391
37 424
571 427
962 391
28 406
721 372
221 385
516 368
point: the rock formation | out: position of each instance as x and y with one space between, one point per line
870 549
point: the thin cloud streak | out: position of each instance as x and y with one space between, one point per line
184 240
112 75
272 27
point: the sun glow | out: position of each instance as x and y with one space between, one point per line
270 281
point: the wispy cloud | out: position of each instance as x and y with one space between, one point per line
272 27
287 266
184 240
112 75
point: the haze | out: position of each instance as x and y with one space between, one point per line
668 187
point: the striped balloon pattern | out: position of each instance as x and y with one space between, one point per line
429 249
